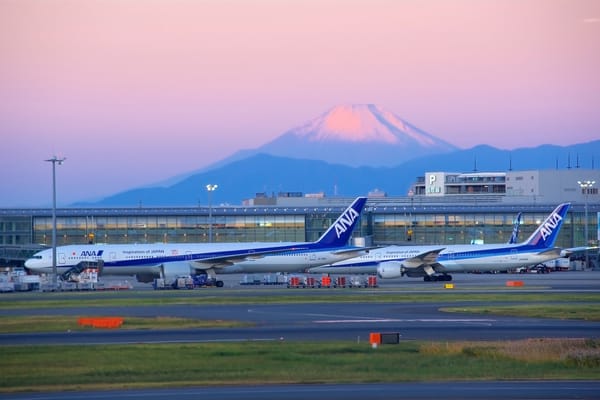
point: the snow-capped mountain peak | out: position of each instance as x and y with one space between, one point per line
362 123
355 135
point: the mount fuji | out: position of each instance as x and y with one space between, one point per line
354 135
347 151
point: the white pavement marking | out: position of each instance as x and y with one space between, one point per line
345 321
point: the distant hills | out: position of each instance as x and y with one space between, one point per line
348 151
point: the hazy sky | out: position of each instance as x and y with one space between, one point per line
136 91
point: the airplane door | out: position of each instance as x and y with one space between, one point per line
61 258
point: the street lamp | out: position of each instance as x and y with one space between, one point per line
586 186
210 188
54 160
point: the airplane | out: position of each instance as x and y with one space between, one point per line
435 263
169 261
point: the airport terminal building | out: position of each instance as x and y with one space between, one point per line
441 208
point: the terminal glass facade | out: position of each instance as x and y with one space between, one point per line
169 229
15 231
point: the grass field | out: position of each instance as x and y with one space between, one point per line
50 368
204 297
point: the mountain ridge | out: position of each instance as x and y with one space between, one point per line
265 173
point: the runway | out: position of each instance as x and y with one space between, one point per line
504 390
339 321
331 320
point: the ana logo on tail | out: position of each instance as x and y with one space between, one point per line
345 222
550 224
545 235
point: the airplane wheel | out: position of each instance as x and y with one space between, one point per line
219 283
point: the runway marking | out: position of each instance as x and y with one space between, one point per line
346 321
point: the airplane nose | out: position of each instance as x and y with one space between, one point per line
28 263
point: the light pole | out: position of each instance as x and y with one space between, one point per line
586 186
210 188
54 160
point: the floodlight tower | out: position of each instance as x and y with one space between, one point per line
210 188
54 160
586 186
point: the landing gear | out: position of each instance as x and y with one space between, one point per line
212 276
437 278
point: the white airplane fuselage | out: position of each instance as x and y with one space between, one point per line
453 258
178 259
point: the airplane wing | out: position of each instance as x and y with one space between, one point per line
422 264
227 260
425 258
224 261
419 265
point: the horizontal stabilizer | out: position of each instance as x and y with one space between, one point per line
575 250
554 251
358 251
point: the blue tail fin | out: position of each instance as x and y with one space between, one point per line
514 237
340 232
545 235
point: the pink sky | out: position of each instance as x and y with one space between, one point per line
134 92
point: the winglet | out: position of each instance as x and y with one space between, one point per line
340 231
545 235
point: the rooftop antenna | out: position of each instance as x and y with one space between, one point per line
556 162
569 161
510 162
475 164
577 165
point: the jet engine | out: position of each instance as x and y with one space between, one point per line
390 269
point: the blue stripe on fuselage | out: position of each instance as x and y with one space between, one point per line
288 250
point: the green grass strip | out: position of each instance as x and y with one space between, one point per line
68 323
584 311
50 368
205 297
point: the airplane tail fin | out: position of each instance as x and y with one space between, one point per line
545 235
340 231
514 237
